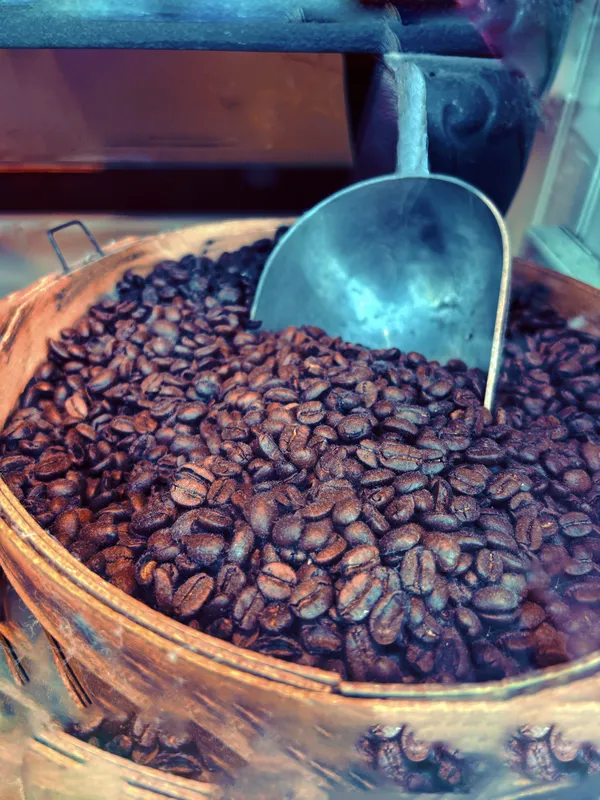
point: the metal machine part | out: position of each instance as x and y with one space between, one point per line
481 121
490 60
527 33
413 260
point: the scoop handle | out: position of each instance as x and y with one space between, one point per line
412 158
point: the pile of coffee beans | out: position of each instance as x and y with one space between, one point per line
147 743
417 766
351 509
543 754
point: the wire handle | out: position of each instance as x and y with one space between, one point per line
56 246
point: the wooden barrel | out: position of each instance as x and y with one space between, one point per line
279 725
40 691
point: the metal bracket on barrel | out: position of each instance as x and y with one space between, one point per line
56 246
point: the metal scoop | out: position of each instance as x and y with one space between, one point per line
411 260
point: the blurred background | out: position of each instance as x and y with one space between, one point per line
235 133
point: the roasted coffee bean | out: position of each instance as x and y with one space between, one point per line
400 457
358 596
322 639
575 524
311 413
489 565
468 480
248 609
411 482
192 595
386 619
205 548
586 593
276 581
359 559
188 490
312 598
494 599
52 466
354 428
346 511
276 618
358 533
504 486
464 508
418 571
230 580
395 543
445 548
213 520
468 622
262 513
153 517
316 535
360 652
288 530
241 545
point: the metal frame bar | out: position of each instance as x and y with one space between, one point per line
33 29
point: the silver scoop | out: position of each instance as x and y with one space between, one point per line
412 260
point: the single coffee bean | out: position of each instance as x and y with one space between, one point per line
346 511
358 533
468 480
192 595
400 510
575 524
52 466
319 509
494 599
312 598
360 652
261 515
400 457
375 519
322 639
395 543
504 486
316 535
241 545
418 571
468 622
311 413
354 428
359 559
213 520
230 580
248 609
464 508
205 548
386 619
276 581
445 548
188 491
358 596
489 565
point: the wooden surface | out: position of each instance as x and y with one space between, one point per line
171 107
38 760
267 716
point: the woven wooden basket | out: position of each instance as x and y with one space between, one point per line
41 692
277 723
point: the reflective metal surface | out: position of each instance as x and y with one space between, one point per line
415 261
